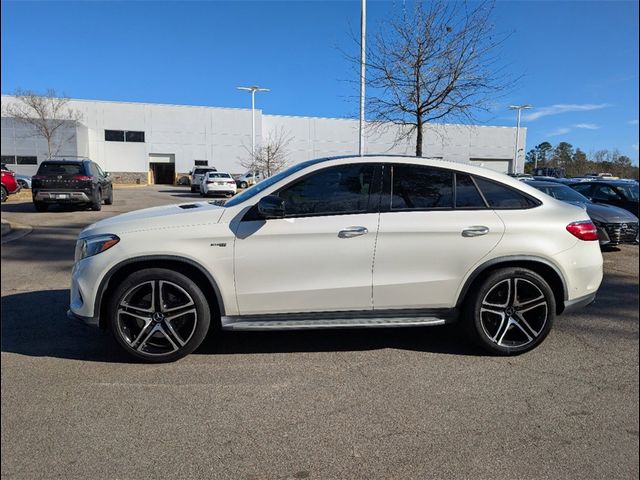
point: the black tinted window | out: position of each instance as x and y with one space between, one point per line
336 190
61 169
134 136
467 195
583 188
114 135
501 196
9 159
418 187
201 163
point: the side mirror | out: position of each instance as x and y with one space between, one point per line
271 206
107 174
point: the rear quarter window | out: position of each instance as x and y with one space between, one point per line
500 196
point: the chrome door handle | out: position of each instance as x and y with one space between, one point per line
475 231
352 232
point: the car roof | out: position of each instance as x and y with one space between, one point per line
542 183
65 161
612 182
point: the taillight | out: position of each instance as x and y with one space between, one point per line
81 177
584 230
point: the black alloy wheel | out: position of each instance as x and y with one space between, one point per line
511 312
159 315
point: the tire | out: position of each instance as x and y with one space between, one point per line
5 194
511 312
243 185
152 335
96 205
193 189
23 185
109 199
40 206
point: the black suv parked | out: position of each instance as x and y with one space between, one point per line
619 193
80 182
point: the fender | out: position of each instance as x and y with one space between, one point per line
104 283
508 259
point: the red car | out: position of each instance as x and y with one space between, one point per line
9 184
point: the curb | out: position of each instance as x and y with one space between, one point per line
13 231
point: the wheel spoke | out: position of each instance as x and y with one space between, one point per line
527 331
181 313
508 296
502 331
171 340
532 305
135 312
162 305
143 332
170 330
524 325
153 330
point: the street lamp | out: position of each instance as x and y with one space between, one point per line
519 108
253 89
363 26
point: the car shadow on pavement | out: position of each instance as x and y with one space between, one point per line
35 324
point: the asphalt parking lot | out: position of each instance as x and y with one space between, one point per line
404 403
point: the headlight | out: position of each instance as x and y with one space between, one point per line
90 246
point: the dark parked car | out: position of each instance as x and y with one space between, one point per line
9 184
619 193
80 182
615 225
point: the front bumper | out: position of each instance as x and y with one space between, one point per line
58 197
90 321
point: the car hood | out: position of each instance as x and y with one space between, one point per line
609 214
164 217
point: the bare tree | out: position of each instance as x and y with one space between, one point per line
46 114
271 156
433 62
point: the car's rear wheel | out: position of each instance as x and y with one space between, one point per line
243 185
511 312
40 206
159 315
193 189
5 194
109 199
96 205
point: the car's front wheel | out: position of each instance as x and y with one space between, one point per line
159 315
511 312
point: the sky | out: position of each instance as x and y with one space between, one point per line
576 62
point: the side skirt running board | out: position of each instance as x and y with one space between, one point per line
336 320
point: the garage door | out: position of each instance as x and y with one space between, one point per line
497 165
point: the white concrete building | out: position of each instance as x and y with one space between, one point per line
142 142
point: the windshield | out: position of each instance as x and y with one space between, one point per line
259 187
629 191
564 193
202 171
218 175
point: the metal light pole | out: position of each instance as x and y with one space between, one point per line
363 28
253 89
519 108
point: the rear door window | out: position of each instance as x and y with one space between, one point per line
467 195
416 187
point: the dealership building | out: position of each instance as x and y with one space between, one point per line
156 143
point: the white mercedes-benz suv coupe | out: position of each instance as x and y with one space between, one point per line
373 241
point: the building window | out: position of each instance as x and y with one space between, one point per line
27 160
134 136
9 159
114 135
201 163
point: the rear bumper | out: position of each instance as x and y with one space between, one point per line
578 303
61 196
